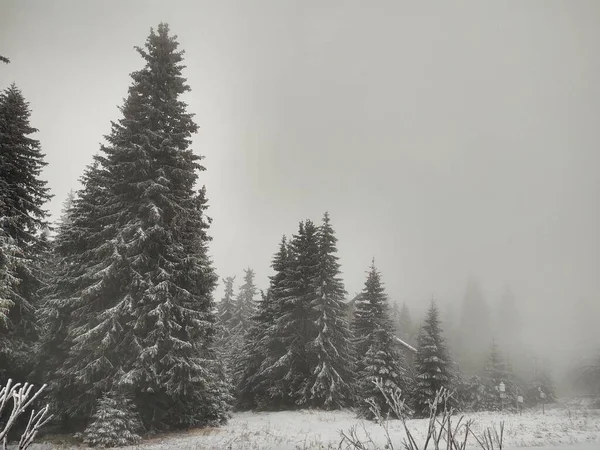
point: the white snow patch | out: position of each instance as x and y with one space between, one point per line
558 429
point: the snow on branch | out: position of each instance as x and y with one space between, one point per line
406 345
22 399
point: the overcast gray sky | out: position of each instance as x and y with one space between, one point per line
446 139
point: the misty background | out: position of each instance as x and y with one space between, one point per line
449 141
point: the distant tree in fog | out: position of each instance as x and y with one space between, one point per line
474 332
395 317
508 322
588 375
541 380
497 370
584 318
406 327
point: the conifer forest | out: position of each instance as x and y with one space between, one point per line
143 304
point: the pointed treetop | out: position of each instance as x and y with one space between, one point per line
23 193
160 44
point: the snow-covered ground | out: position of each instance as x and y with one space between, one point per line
558 429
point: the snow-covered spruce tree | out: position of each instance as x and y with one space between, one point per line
9 254
295 323
253 353
264 387
351 308
432 365
142 315
9 259
65 213
72 248
226 305
225 341
406 326
239 324
244 307
376 347
330 383
22 197
115 423
289 368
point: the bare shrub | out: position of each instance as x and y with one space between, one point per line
442 431
22 399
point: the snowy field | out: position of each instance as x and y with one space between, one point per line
559 428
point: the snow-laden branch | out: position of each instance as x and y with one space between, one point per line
22 398
406 345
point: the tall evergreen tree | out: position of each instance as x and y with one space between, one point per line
22 196
22 192
351 308
65 218
225 342
508 322
239 325
432 365
226 305
289 365
142 314
296 322
475 330
252 355
330 382
406 326
9 259
395 316
72 248
244 306
509 331
264 387
380 358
